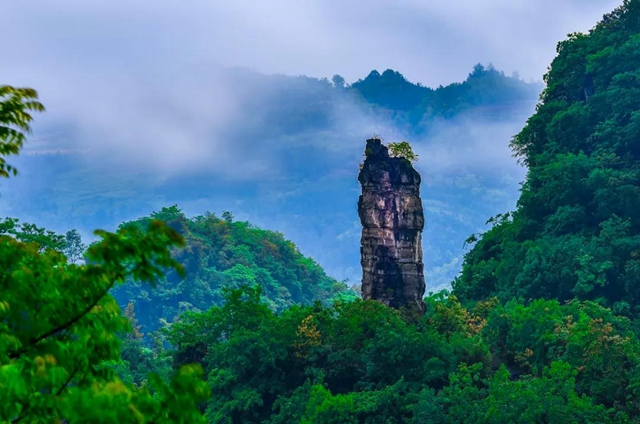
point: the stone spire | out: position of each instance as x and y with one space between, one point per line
392 218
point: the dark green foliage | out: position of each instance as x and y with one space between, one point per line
338 81
542 326
599 346
73 247
391 90
292 120
141 357
361 362
259 362
31 233
219 253
576 231
486 92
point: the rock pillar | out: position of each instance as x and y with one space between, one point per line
392 218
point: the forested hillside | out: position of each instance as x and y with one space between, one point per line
576 230
59 326
361 362
221 254
486 92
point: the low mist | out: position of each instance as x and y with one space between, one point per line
194 103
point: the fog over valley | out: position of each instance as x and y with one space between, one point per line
200 104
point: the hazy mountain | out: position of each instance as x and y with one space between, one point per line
283 153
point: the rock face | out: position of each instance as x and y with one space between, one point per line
392 218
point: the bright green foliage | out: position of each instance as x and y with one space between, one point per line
324 408
15 119
219 253
31 233
58 324
542 326
576 231
402 149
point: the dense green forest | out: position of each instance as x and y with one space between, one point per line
221 253
222 322
575 232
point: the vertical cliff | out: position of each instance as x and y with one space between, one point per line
392 218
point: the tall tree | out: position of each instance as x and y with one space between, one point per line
73 246
338 81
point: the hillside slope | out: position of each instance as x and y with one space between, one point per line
221 254
576 229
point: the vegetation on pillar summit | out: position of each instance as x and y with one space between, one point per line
58 323
402 149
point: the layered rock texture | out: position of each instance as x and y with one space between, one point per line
392 218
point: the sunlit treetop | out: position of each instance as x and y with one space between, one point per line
402 149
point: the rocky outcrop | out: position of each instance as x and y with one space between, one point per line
392 218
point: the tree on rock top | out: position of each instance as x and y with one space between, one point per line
402 149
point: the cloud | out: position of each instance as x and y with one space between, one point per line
141 85
143 78
471 155
434 42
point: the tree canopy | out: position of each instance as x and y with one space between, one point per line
237 326
222 253
576 230
361 362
